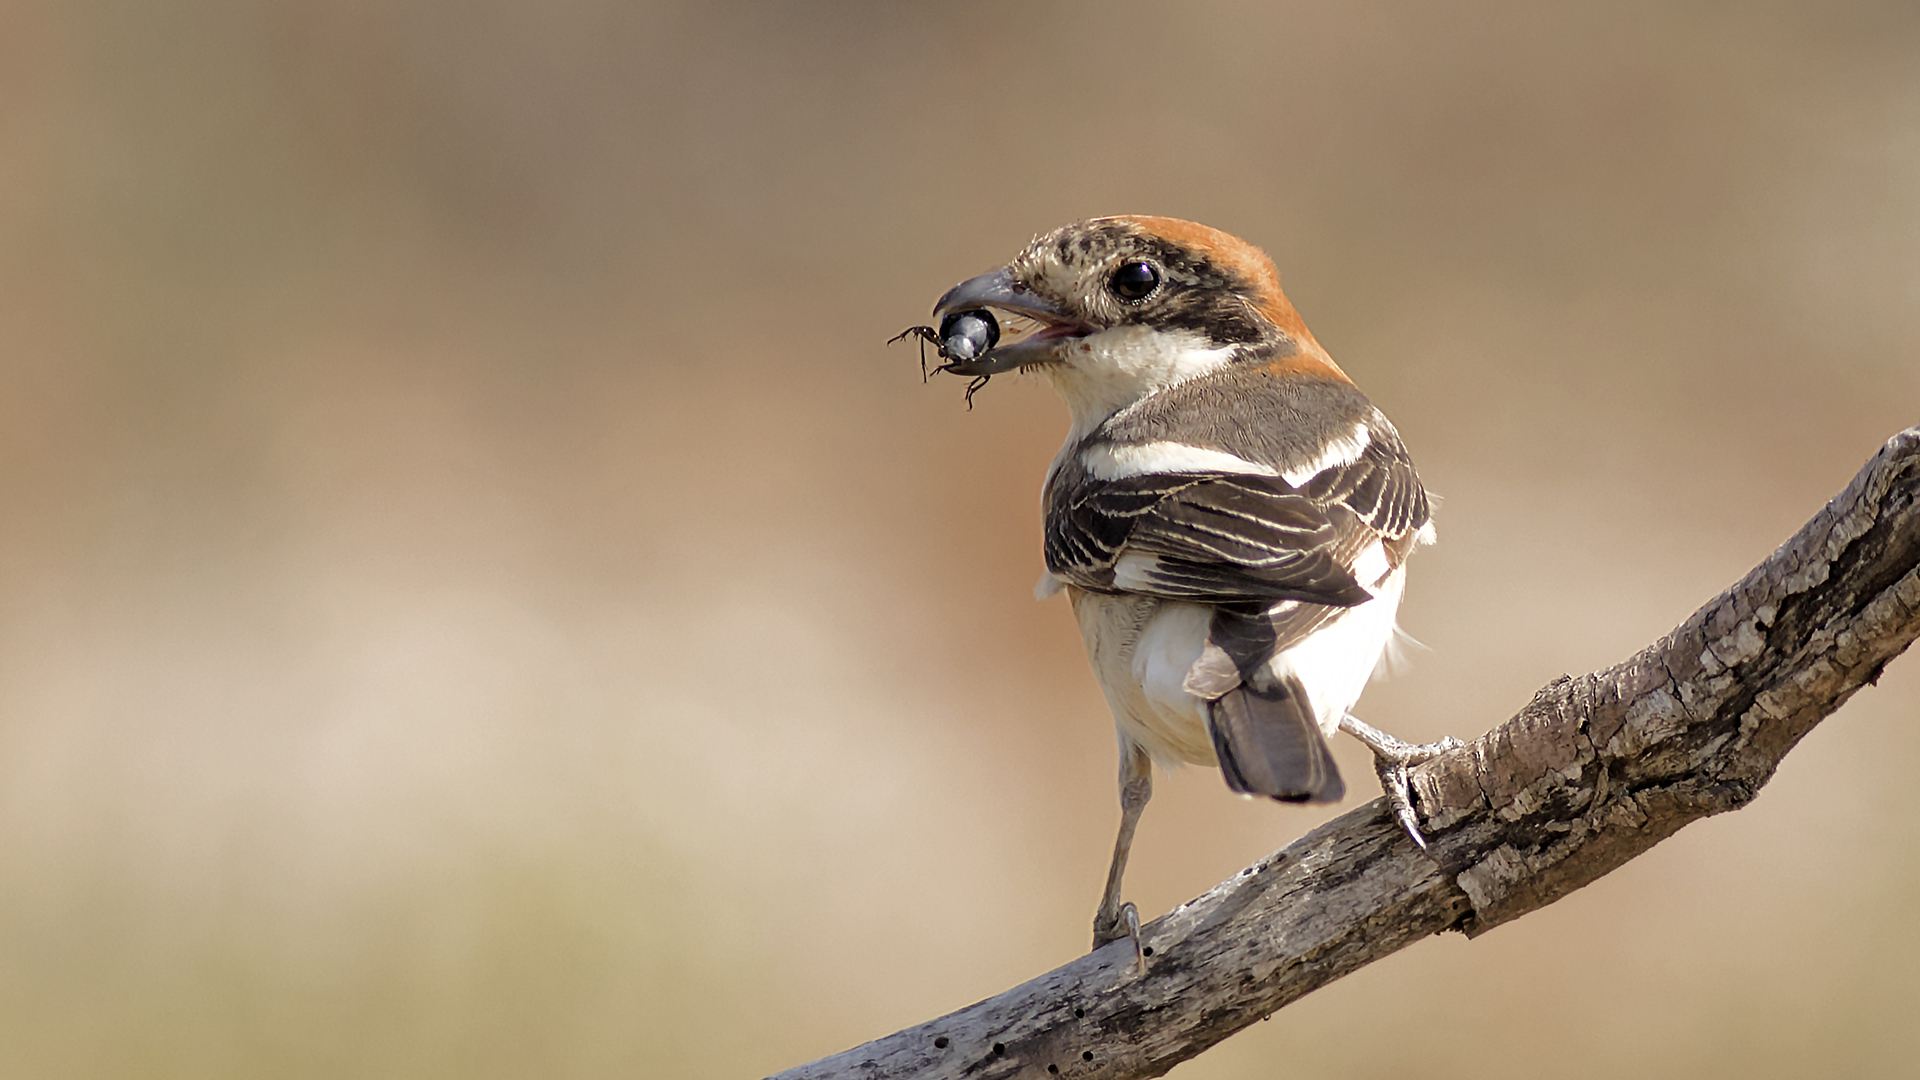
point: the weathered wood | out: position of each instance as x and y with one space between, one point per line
1592 772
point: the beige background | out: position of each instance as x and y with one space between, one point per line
478 598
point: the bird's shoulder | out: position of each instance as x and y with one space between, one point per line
1282 422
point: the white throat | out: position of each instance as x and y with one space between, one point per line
1104 373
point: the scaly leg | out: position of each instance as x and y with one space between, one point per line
1116 920
1391 759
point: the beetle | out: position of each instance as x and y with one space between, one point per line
963 336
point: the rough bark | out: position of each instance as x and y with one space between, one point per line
1593 771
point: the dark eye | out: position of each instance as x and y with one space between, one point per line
1135 280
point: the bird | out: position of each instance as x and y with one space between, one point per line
1229 516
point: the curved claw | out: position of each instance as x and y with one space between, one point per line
1395 782
1392 759
1124 927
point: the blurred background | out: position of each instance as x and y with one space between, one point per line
479 597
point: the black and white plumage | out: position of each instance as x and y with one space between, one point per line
1298 559
1230 516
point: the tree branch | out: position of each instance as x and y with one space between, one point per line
1592 772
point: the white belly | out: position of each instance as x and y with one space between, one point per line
1142 648
1336 661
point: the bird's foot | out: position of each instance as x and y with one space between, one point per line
1120 925
1392 759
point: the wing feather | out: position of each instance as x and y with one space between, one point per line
1229 538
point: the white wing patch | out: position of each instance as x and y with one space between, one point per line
1371 566
1134 571
1335 455
1117 461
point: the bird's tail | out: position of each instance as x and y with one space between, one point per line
1269 743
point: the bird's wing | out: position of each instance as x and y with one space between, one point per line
1228 538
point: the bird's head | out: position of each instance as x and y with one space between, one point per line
1120 307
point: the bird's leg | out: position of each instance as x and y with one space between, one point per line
1391 759
1116 920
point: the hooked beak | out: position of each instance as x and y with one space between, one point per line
997 290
